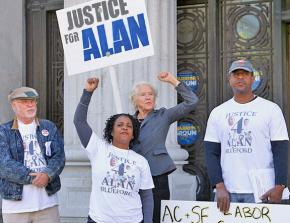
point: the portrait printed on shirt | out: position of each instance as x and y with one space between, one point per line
121 175
33 158
240 135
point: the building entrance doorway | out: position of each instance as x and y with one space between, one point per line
45 60
210 35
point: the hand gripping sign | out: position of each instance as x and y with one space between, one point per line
101 33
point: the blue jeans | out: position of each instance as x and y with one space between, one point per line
240 198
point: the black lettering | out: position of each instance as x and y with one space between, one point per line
89 17
105 181
34 159
238 211
130 185
202 214
70 22
97 8
247 212
105 10
113 12
112 182
122 183
248 141
78 18
256 211
122 5
167 212
228 213
41 161
265 212
196 213
174 214
102 10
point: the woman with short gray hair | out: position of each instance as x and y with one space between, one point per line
155 124
136 89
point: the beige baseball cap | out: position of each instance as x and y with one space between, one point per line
23 93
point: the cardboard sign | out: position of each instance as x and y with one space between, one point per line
101 33
207 212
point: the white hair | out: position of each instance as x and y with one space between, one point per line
135 91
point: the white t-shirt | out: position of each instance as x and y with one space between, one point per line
33 198
117 176
245 132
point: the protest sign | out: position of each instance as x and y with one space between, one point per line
207 212
101 33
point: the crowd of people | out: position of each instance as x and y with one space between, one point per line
130 163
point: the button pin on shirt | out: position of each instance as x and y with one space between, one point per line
45 132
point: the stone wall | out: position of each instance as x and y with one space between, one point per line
12 53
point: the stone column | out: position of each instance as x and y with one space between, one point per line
12 54
182 185
76 176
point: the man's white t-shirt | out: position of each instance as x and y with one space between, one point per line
245 132
33 198
117 176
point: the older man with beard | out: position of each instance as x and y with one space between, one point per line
31 160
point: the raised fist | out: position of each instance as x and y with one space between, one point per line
92 84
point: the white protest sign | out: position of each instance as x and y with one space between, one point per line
207 212
101 33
